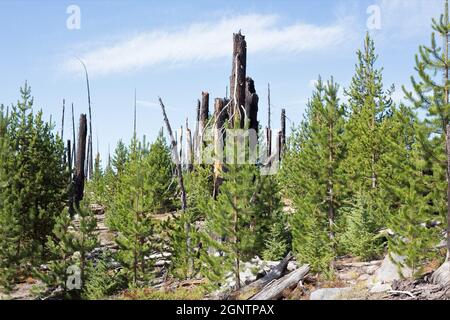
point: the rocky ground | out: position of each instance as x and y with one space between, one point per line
355 280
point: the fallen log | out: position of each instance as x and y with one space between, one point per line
248 291
275 289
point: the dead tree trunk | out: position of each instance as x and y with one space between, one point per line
275 289
251 104
73 135
220 117
237 81
62 120
268 105
253 288
269 142
189 149
90 159
195 138
204 111
283 132
80 162
180 183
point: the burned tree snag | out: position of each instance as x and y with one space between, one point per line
62 120
283 132
251 104
189 149
80 162
179 172
268 142
204 111
237 80
268 105
73 135
220 117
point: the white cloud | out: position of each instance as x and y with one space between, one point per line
207 41
408 18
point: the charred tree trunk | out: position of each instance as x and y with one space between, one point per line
204 111
237 81
283 133
251 104
269 142
73 136
220 117
80 162
62 119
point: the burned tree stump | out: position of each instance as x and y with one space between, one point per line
79 177
237 80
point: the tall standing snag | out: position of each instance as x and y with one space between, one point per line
238 80
80 162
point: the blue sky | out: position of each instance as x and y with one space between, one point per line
177 49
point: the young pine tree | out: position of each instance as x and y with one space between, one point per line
432 96
272 235
33 189
365 168
229 228
411 209
312 177
69 247
198 184
142 191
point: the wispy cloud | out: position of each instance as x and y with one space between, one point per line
407 19
207 41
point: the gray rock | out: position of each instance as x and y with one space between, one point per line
380 287
329 293
390 270
442 275
363 277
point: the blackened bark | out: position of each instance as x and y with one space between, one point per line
80 162
251 104
237 80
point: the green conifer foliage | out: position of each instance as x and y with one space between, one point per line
359 220
369 105
34 185
120 157
230 235
69 246
412 209
431 95
144 189
198 185
312 177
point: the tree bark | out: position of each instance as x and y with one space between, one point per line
237 80
80 162
283 132
251 104
275 289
